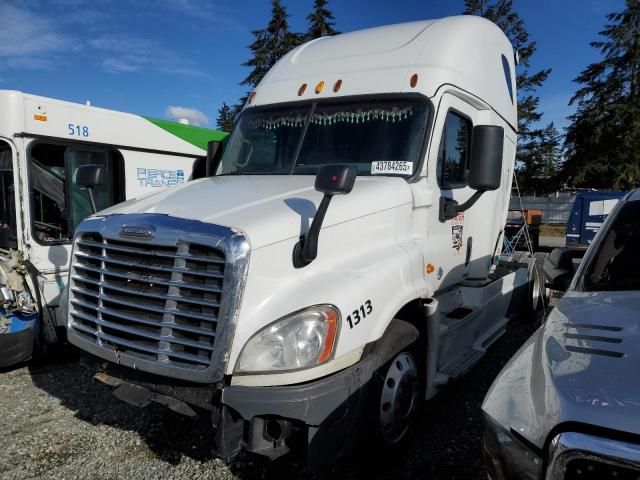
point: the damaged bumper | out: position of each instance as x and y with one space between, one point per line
17 336
325 414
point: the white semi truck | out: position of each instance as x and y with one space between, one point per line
343 263
49 150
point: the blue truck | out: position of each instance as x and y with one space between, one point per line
587 215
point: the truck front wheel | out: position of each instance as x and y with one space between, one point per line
398 398
395 394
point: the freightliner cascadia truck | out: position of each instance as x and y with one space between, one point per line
49 149
340 267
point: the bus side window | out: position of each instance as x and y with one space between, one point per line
79 204
58 204
8 232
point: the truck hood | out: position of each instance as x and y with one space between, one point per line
579 367
268 208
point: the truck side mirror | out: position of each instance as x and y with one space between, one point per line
335 179
330 180
485 168
91 176
485 164
558 269
214 155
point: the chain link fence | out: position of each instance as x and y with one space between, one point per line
556 207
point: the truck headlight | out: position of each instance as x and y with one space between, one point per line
506 456
301 340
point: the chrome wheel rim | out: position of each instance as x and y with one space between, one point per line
399 398
535 294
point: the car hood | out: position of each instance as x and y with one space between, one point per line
268 209
578 368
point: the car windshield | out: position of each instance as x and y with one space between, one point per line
616 265
377 137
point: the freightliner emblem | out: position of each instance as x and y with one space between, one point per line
137 230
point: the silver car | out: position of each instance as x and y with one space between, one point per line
567 405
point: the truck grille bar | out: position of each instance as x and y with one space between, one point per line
157 302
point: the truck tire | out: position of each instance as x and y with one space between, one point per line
534 296
396 394
544 292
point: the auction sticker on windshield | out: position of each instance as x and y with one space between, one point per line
385 167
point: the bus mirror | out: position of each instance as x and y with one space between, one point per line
214 154
90 176
485 164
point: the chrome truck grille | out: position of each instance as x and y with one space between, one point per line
156 293
574 456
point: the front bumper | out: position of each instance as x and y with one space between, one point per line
324 415
17 336
575 455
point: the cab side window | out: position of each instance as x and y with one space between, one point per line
453 155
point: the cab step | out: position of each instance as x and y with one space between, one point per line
463 363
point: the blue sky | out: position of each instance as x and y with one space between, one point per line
167 58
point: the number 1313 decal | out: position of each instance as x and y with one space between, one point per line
360 314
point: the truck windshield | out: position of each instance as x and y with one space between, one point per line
377 137
616 265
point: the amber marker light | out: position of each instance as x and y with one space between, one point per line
337 85
319 87
302 89
332 321
252 97
430 268
414 80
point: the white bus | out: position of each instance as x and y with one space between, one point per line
43 142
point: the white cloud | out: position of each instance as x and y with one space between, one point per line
195 117
32 40
127 53
27 40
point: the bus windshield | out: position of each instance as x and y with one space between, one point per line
383 137
616 265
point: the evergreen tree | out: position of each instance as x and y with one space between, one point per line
225 118
603 142
551 149
541 173
270 44
320 21
501 13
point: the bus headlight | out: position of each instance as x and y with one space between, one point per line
301 340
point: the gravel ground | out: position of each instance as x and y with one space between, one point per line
56 423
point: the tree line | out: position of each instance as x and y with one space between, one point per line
599 149
272 43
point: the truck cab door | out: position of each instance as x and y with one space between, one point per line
455 247
447 167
